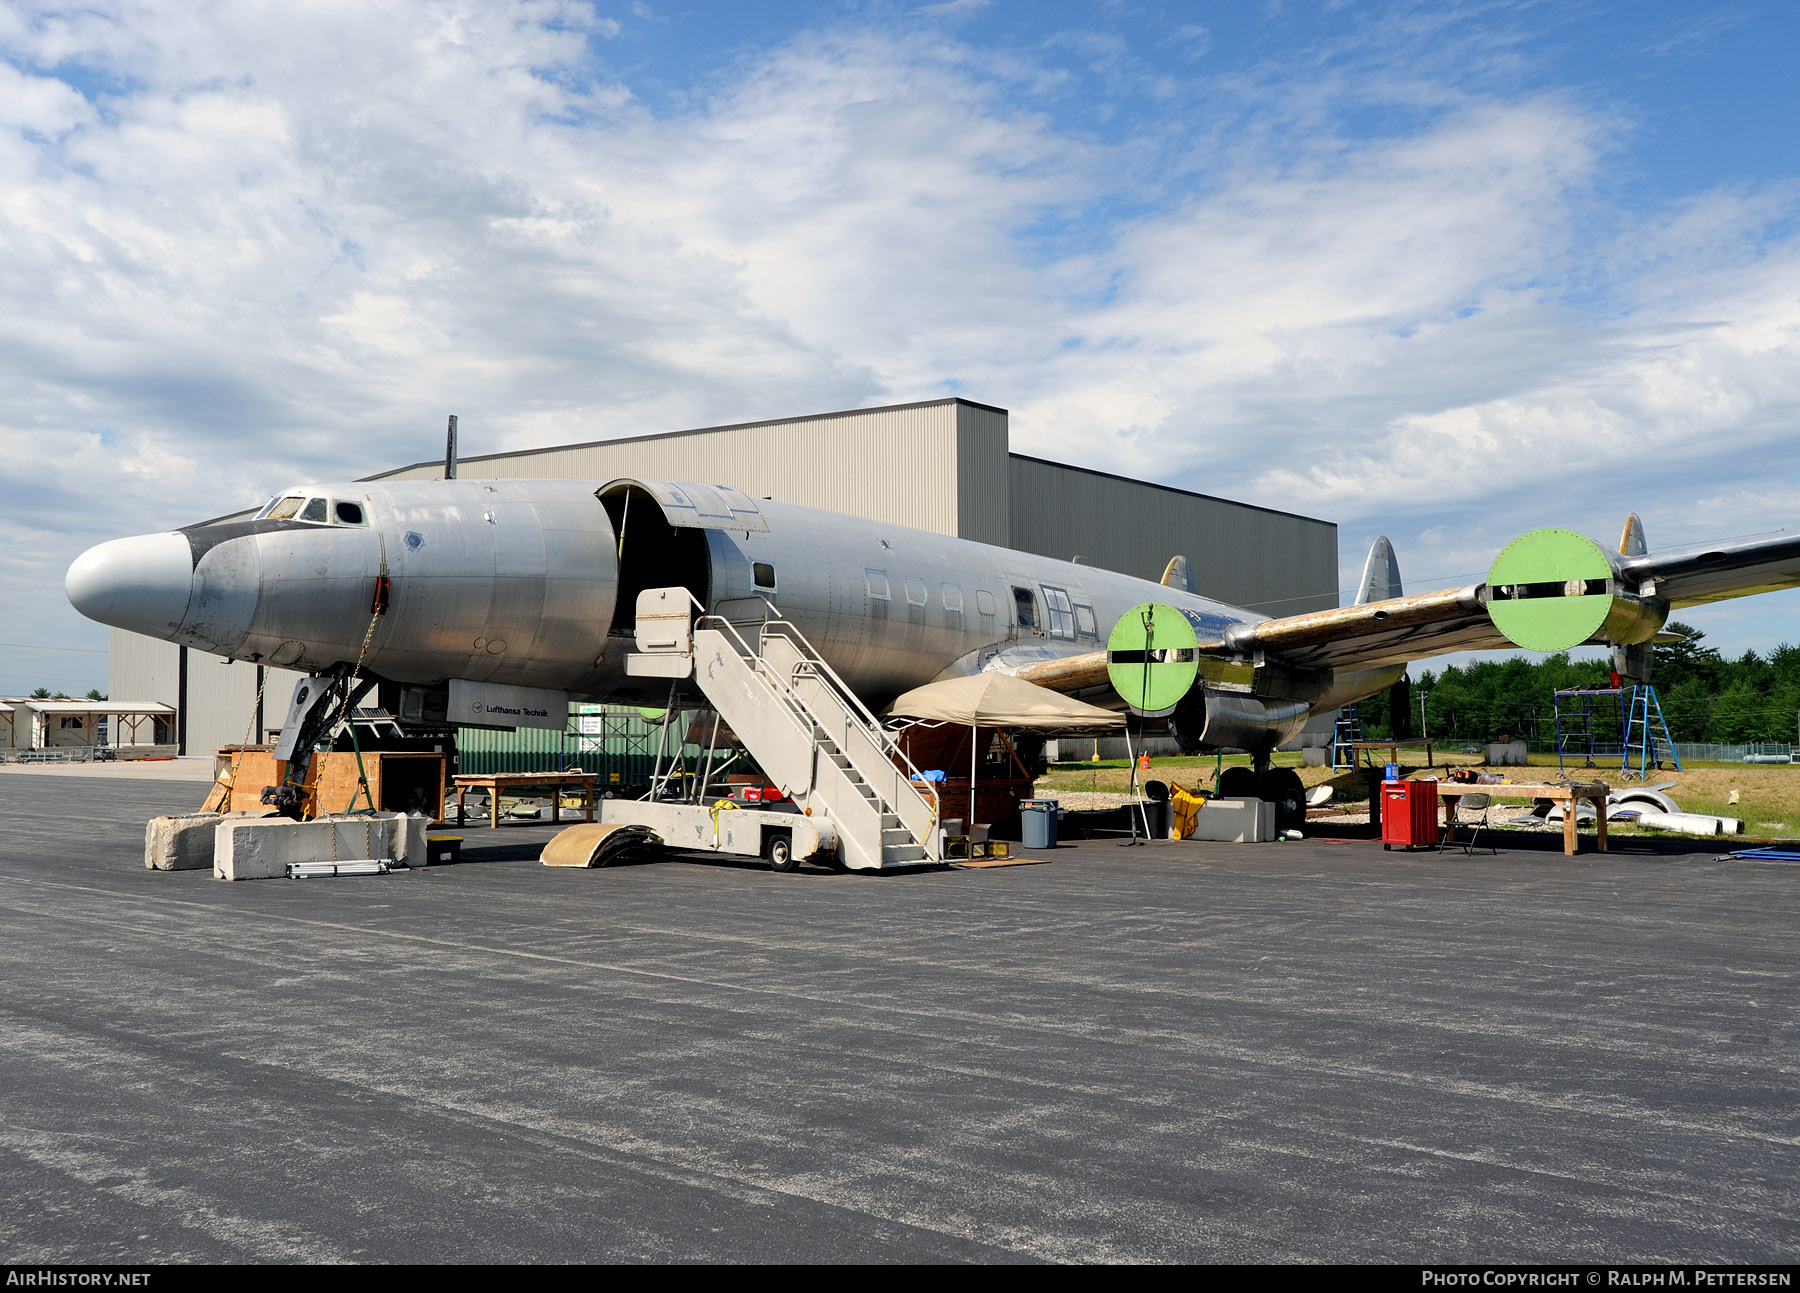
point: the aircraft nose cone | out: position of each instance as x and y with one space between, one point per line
142 583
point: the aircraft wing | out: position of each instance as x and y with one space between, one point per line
1761 566
1627 594
1399 629
1391 631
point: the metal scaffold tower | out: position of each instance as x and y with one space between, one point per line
1344 738
1595 724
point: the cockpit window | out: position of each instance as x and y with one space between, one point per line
282 509
315 510
350 514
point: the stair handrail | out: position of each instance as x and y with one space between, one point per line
785 687
812 657
748 653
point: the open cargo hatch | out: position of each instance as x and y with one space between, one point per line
690 506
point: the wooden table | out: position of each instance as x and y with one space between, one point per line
1568 796
1359 748
495 782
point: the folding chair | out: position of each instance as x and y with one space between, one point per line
1471 810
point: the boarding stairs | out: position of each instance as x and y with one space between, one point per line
801 723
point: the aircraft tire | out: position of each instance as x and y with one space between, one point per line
1238 783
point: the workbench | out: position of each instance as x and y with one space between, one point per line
495 782
1568 796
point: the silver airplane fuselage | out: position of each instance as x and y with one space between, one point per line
534 583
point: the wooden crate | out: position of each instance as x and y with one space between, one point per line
395 778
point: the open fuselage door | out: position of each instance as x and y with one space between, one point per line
661 528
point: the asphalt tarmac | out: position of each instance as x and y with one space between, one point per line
1183 1052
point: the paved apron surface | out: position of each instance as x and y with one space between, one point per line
1297 1051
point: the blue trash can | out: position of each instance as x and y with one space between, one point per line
1037 823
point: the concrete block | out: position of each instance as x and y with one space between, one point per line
414 851
1235 821
1313 756
180 843
261 848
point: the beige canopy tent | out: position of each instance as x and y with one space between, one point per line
1000 700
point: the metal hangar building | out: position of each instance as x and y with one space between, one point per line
941 465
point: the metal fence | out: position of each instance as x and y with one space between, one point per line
1758 752
1754 752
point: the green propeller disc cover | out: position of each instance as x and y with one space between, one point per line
1541 564
1150 657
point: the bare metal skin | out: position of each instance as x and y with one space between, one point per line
528 582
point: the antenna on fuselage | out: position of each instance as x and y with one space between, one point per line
450 450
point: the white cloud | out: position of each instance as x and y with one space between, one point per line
276 242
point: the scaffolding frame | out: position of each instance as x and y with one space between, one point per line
1643 742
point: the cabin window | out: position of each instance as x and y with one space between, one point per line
877 582
1025 602
984 602
763 575
1084 622
349 514
315 510
1062 613
953 598
915 591
282 509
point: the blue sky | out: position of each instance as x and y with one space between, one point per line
1442 271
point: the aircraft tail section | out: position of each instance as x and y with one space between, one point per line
1381 574
1631 541
1178 574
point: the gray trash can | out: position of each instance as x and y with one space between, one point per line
1160 814
1037 823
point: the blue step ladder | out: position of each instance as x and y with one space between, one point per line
1647 735
1344 738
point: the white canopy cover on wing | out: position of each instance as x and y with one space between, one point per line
1001 700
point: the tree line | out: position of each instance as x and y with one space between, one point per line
1704 696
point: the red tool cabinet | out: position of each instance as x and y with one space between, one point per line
1409 814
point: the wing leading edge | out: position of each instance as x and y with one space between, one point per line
1761 566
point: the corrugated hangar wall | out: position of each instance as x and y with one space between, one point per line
943 465
946 466
939 466
1273 562
214 698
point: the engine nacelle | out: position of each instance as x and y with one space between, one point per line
1228 720
1550 590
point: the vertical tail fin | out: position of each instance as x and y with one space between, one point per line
1381 574
1631 541
1177 574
